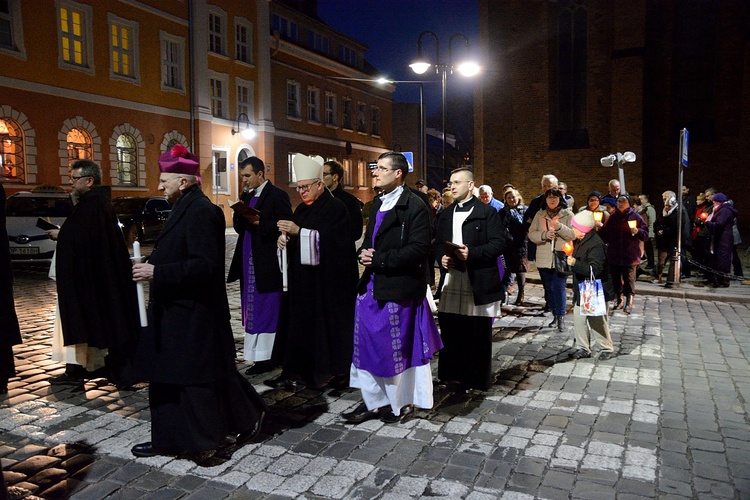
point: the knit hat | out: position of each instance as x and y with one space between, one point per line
609 200
179 160
584 221
593 194
720 197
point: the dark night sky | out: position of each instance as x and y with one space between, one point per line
391 28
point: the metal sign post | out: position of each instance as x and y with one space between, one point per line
675 269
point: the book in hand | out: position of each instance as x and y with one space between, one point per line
247 212
45 225
451 250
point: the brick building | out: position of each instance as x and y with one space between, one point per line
121 81
568 82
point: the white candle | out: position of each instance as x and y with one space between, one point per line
284 267
139 286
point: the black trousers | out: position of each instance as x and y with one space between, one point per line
196 418
623 279
466 356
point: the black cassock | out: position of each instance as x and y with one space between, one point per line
95 288
10 334
187 353
316 327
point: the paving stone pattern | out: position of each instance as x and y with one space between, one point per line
667 417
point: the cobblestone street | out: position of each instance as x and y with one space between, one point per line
666 417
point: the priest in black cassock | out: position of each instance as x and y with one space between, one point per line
97 299
10 334
318 343
197 396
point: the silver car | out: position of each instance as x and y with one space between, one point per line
29 243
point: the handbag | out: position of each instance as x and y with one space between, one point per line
591 292
561 261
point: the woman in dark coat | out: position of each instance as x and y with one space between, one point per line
10 333
721 244
511 219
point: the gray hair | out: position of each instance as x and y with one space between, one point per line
484 188
88 169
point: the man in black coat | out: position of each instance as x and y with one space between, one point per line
316 348
468 242
10 334
333 175
255 262
187 353
97 297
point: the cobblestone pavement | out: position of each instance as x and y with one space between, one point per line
666 417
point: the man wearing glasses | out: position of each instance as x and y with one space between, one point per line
98 308
395 335
314 347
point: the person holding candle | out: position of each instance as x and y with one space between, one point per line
721 242
549 230
624 233
593 204
98 306
589 257
666 229
196 395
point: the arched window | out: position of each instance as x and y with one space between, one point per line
11 151
172 143
127 161
79 145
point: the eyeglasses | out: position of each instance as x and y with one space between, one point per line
75 178
326 173
455 183
305 187
382 170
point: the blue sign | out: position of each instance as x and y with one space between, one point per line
409 158
685 140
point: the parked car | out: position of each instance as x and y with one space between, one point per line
28 243
141 217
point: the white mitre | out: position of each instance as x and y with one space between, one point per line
307 167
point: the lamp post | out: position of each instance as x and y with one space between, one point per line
619 159
246 133
466 68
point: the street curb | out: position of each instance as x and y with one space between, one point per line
675 293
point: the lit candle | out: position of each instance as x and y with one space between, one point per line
598 216
568 248
633 224
704 215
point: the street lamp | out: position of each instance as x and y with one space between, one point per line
247 133
619 159
466 68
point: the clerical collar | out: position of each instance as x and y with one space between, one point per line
466 205
259 188
390 199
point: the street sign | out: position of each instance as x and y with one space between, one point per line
409 158
685 137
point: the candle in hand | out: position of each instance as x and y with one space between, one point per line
598 216
632 224
704 216
568 248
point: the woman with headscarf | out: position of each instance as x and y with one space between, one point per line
624 233
549 230
721 239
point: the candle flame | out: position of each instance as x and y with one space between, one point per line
568 248
632 224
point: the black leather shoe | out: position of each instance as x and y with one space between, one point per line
244 437
65 379
339 382
281 382
360 414
390 418
260 367
144 450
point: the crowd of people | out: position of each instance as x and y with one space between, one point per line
306 309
